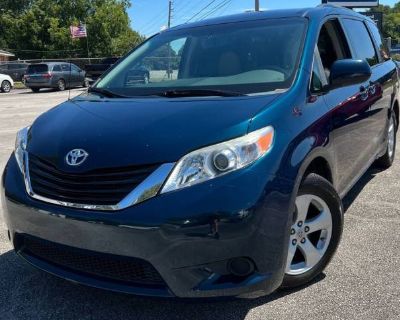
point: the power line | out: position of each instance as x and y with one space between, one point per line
202 10
215 9
186 8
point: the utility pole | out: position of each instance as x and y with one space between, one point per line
169 13
257 5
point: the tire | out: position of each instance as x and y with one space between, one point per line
5 86
35 89
61 85
386 161
316 231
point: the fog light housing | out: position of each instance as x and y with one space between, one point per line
241 267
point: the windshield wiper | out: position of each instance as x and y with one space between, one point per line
105 92
199 93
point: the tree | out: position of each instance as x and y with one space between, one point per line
40 28
391 21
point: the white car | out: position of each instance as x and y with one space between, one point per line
6 83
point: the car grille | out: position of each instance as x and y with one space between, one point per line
131 271
96 187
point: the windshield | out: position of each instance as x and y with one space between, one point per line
245 57
37 68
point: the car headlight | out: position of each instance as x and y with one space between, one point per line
20 147
214 161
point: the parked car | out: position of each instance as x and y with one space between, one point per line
138 74
6 83
94 71
226 179
15 70
56 75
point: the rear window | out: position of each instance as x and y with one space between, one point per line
37 68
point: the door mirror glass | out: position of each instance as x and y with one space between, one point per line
348 72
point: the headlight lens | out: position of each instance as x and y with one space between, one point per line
214 161
20 147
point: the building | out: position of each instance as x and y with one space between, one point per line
5 56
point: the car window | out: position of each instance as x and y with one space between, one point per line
37 68
360 41
246 57
57 68
75 68
318 77
332 45
383 50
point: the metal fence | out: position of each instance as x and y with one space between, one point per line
80 62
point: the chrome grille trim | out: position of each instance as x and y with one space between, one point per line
145 190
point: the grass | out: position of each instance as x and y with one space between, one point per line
19 85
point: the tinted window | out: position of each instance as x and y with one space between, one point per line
75 68
384 52
360 41
332 46
37 68
318 77
65 67
57 68
109 60
247 57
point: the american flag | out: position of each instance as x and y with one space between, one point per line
78 32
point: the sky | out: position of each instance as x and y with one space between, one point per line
149 16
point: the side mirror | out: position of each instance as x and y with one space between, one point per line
349 72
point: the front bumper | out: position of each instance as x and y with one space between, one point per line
188 236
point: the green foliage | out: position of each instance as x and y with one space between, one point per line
43 25
391 21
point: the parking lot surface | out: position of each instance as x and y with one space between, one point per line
362 282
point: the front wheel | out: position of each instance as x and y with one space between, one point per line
387 159
315 233
5 86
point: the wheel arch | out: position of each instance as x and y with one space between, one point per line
318 161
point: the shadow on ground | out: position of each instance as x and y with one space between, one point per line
359 186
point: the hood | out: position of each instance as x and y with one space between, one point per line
124 132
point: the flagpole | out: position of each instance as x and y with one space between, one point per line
87 43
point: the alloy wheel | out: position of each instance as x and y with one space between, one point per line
6 87
61 85
310 234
